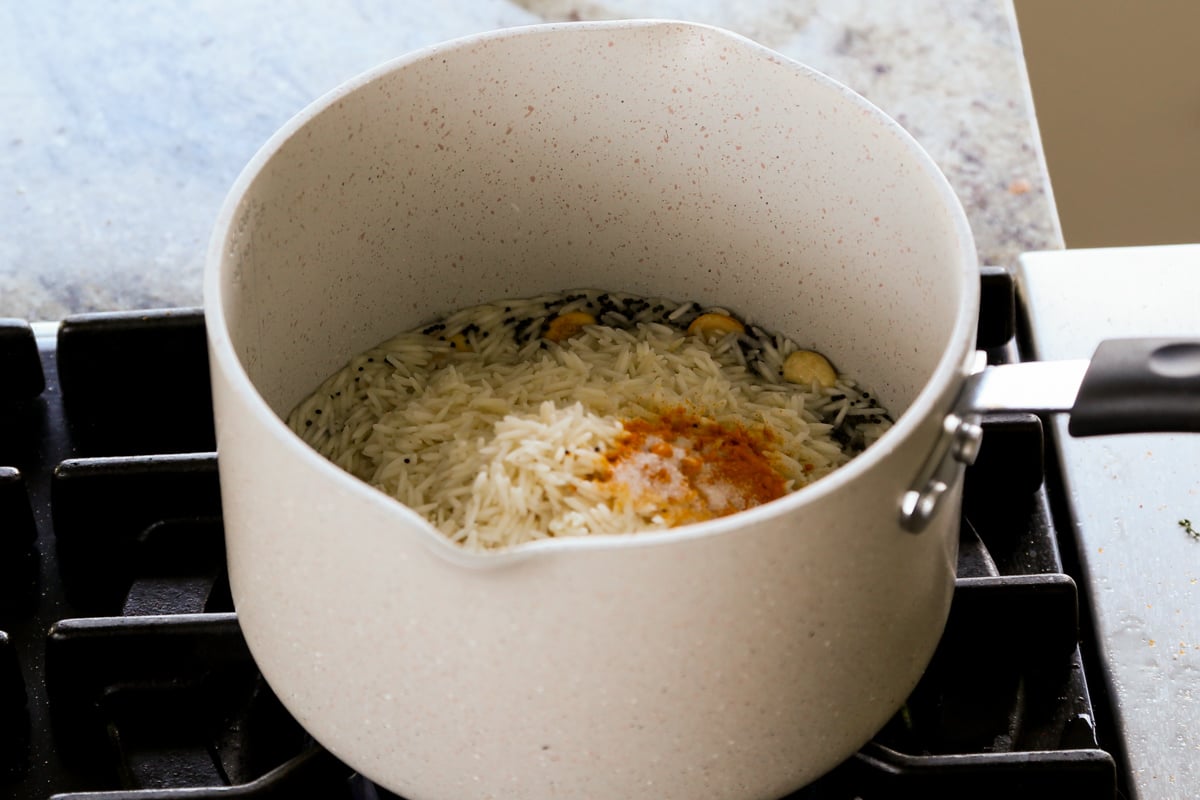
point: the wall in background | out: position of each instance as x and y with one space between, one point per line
1116 85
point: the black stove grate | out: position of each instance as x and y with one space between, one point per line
123 672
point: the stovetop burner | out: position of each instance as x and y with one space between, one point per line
122 668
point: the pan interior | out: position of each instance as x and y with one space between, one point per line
673 161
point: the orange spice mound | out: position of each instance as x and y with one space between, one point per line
685 468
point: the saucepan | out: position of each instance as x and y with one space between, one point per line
735 658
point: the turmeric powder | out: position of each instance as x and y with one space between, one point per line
685 468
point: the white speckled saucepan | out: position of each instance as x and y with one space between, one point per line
737 658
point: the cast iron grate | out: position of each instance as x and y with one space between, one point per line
122 669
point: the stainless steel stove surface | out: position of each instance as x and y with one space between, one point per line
1136 501
122 669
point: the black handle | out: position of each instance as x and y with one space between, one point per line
997 308
1139 386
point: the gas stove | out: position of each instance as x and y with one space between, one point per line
123 673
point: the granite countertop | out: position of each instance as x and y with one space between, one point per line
125 123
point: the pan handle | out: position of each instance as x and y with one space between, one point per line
1139 386
1128 386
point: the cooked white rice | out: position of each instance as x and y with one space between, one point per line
498 435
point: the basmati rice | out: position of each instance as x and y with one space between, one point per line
499 435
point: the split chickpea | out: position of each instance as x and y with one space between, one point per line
713 324
807 367
564 326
